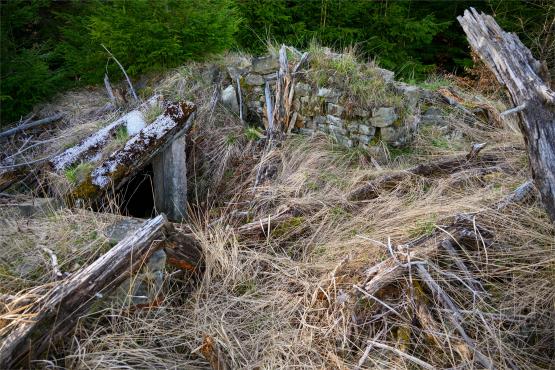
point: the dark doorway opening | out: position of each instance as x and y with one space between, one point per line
136 198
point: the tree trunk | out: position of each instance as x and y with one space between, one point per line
55 314
515 67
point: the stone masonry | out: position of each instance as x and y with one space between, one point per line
326 109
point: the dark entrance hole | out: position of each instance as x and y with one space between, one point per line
136 198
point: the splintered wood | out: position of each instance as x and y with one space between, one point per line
53 315
534 100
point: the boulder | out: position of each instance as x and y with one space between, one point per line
366 129
264 65
143 288
334 121
302 89
329 95
384 117
254 79
387 75
229 99
335 110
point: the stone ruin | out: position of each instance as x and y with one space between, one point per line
326 109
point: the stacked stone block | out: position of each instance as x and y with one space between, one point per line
324 109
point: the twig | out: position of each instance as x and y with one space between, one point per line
368 295
57 273
109 89
124 73
520 108
402 354
40 122
240 99
454 317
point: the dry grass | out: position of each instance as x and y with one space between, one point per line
284 297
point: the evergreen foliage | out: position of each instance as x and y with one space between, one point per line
47 46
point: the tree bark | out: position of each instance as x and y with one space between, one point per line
515 67
137 152
54 315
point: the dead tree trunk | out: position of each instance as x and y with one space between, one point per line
515 67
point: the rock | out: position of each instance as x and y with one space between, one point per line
387 75
393 136
412 93
337 130
319 120
145 287
433 116
335 110
366 129
383 117
359 112
266 64
365 139
329 95
345 141
306 131
323 127
117 231
333 120
254 79
302 89
229 99
31 208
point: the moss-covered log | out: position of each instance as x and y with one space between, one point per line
123 164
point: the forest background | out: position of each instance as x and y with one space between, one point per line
48 46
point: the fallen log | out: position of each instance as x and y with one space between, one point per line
515 67
89 147
55 314
446 166
464 231
30 125
137 152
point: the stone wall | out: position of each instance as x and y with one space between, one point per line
324 108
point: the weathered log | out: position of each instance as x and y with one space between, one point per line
89 147
445 166
515 67
54 315
27 126
137 152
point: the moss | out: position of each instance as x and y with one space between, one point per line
76 174
287 226
425 227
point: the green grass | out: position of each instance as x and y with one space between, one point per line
152 113
77 173
121 134
253 133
